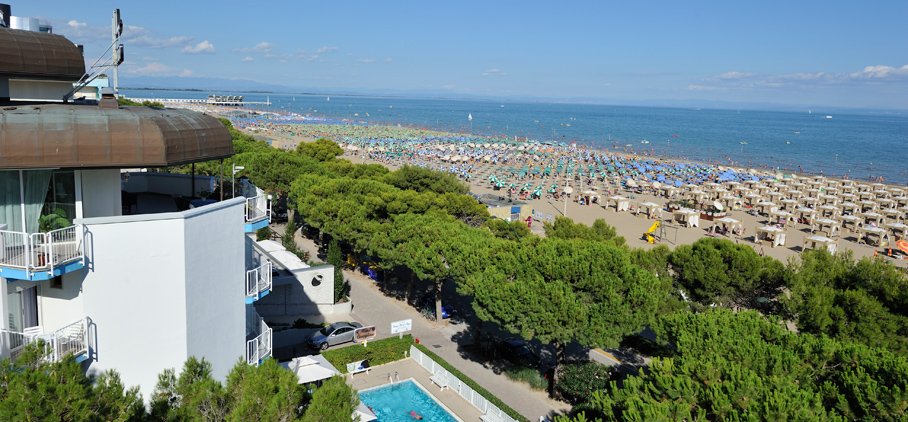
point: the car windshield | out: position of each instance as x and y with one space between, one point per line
325 331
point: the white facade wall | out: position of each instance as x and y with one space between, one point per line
215 287
29 90
298 296
163 287
100 193
60 307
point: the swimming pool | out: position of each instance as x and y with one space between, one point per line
394 402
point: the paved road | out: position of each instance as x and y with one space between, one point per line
372 307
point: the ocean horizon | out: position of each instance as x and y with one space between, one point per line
861 146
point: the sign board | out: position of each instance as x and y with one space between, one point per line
401 326
364 334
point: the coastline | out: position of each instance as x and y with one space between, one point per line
629 225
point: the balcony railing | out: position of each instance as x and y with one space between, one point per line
72 339
258 208
258 281
259 347
41 252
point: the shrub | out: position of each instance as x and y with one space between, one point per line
377 352
530 376
578 381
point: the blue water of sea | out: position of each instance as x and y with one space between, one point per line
861 146
394 403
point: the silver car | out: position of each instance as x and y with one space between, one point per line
334 334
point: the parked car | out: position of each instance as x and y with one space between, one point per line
518 352
332 335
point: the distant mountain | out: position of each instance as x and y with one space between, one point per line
200 83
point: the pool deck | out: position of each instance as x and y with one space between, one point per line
408 368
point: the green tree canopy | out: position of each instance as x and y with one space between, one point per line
425 180
333 401
717 271
322 149
863 301
742 366
565 228
36 390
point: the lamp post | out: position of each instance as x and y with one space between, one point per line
236 169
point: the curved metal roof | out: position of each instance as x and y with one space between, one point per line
39 55
74 136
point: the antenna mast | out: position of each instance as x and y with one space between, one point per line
116 29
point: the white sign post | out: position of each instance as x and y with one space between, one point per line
402 326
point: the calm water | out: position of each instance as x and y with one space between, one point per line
394 403
859 145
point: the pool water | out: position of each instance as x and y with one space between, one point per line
394 402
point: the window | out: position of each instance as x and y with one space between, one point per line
56 282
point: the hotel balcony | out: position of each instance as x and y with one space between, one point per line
258 213
72 339
258 282
259 344
41 256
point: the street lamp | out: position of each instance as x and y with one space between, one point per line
236 169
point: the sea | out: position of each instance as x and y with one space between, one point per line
860 146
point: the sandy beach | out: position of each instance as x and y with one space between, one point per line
769 204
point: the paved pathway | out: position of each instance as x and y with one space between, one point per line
372 307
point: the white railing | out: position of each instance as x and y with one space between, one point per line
72 339
458 386
258 208
41 251
258 280
259 348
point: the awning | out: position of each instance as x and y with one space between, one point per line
86 136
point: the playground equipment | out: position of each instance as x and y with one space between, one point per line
648 235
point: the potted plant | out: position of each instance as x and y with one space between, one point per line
49 222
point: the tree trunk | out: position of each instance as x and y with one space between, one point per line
477 336
559 360
438 318
410 282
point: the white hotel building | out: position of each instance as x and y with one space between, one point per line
134 277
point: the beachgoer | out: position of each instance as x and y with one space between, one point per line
415 415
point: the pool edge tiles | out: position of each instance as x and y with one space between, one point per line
418 385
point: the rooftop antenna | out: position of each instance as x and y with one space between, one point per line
116 29
117 57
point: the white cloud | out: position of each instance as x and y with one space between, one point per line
204 47
185 73
141 37
74 24
263 47
494 72
388 60
153 68
366 61
247 59
799 80
735 75
881 72
325 49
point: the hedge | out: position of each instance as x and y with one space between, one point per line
468 381
378 352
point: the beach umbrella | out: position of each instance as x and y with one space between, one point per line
568 190
902 245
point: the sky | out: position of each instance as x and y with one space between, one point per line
823 53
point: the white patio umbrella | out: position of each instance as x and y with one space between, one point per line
311 368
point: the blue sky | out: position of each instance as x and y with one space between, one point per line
835 53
